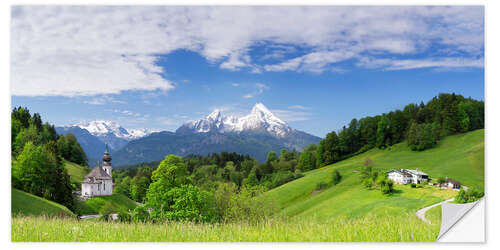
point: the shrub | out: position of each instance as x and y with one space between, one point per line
106 210
336 177
470 195
140 214
441 180
124 216
367 183
413 185
387 187
247 204
369 162
321 185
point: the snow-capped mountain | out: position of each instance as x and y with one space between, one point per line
255 134
259 119
101 128
94 135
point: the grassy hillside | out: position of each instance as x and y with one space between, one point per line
28 204
77 172
118 201
460 157
345 212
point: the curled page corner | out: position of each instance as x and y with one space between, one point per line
452 213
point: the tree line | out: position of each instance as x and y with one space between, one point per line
37 158
422 125
208 172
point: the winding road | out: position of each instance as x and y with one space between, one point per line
421 213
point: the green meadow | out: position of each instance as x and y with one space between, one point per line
460 157
116 202
27 204
344 212
77 172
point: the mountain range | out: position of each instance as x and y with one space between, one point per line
255 134
93 136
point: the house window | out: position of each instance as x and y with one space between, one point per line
105 186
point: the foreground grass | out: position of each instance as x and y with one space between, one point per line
29 204
434 215
405 227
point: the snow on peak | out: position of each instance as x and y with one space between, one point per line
260 108
215 115
260 118
101 127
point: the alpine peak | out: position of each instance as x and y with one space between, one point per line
259 119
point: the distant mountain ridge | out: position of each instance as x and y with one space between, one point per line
93 136
101 128
255 134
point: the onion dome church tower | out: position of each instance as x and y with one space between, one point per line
99 181
106 162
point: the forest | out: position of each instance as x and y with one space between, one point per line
37 152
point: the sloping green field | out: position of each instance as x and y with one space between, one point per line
460 157
118 202
29 204
77 173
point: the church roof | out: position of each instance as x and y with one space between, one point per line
98 173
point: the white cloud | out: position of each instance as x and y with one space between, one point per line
130 113
260 87
93 50
396 64
235 84
298 107
102 99
315 62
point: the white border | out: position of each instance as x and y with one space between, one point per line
492 98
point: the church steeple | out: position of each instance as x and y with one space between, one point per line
106 161
106 158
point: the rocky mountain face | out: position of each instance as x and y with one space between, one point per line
260 119
255 134
93 136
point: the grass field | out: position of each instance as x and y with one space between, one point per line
434 215
345 212
460 157
28 204
118 201
77 172
369 228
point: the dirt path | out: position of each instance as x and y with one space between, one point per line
421 213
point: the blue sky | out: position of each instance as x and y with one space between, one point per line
316 68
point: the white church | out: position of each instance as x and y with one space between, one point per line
99 181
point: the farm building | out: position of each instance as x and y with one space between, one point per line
399 177
406 176
451 184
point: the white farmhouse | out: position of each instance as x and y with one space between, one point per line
399 176
405 176
418 176
99 181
